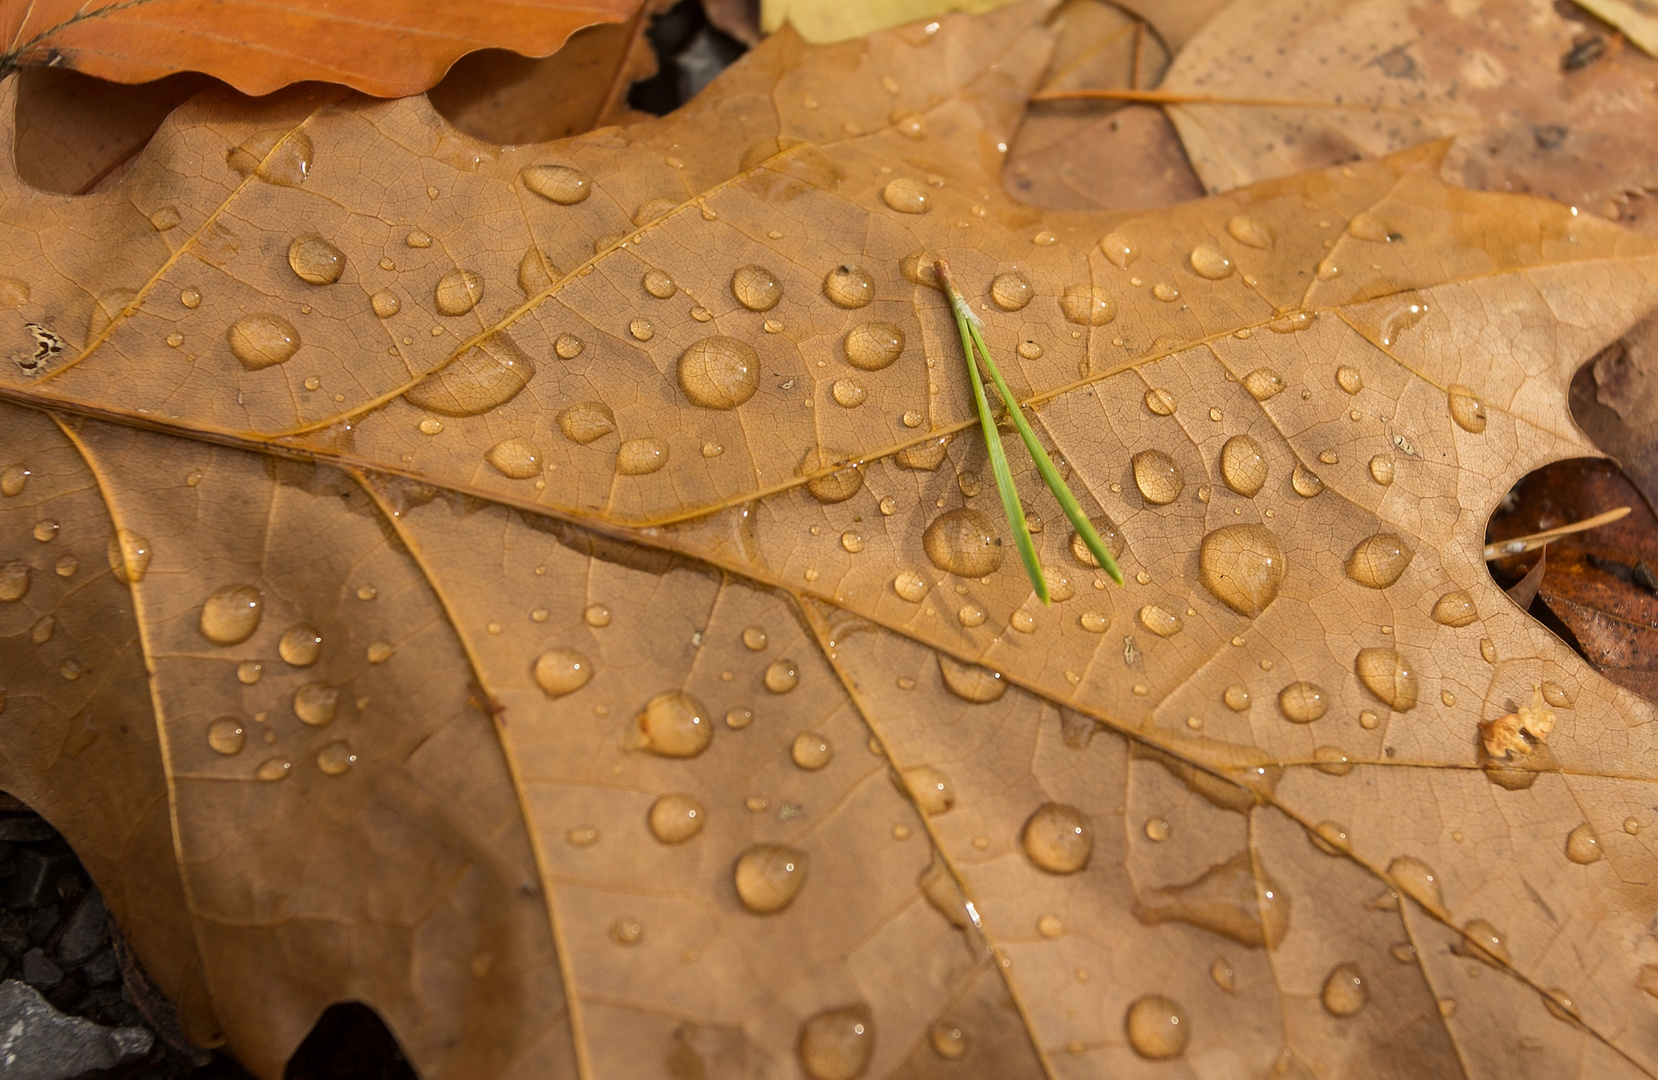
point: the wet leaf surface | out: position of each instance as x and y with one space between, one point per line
578 623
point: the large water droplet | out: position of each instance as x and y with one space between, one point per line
1303 702
756 288
316 260
1263 384
768 877
1455 608
1242 566
907 196
231 614
1344 992
483 377
129 555
1582 845
674 724
963 542
1210 262
1417 880
1242 466
1087 305
1119 249
1385 674
1232 898
659 283
931 788
535 273
261 341
811 751
458 292
277 157
14 581
1158 477
1236 697
336 758
225 735
1010 291
12 481
316 703
872 346
1250 232
675 819
562 671
719 372
515 458
1305 482
836 1044
385 304
782 676
300 645
1157 1028
1466 409
559 183
1057 838
1377 561
754 638
970 682
586 421
910 585
849 286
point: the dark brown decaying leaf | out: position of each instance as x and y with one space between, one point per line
531 566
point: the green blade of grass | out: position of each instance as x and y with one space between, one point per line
1044 464
999 467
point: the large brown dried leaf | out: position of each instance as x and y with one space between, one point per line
483 873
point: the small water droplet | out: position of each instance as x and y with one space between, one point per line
948 1039
811 751
1243 466
1160 620
316 703
1303 702
675 819
1385 674
1236 697
1305 482
852 541
641 328
1344 991
225 735
261 341
1165 292
970 682
674 724
1416 879
1377 561
335 758
1210 262
1157 1028
1119 250
910 585
231 614
849 393
1057 838
736 719
581 836
970 615
907 196
1087 305
1582 845
768 877
300 645
1349 379
559 183
379 652
1010 292
849 286
1223 976
1250 232
637 457
273 769
1466 409
458 292
367 592
562 671
1381 469
315 260
1158 477
430 425
963 542
1263 384
1095 622
756 288
782 676
719 372
1157 829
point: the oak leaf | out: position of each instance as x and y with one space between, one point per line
551 594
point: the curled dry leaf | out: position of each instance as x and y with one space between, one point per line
590 542
388 49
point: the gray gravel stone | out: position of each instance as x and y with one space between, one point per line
83 934
38 969
39 1043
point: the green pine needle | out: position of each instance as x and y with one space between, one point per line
972 339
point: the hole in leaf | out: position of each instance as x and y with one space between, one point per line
77 135
689 53
349 1042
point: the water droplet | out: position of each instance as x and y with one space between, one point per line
675 819
849 286
1087 305
1157 829
458 292
42 630
12 481
1160 620
811 751
1344 991
273 769
948 1039
559 183
1381 469
1223 975
562 671
1456 608
275 156
1057 838
641 329
1242 466
1236 697
1466 409
430 425
1631 826
1377 561
1157 1028
782 676
1029 350
515 458
836 1044
1044 239
225 735
932 790
768 877
1330 838
674 724
231 614
586 421
1119 249
849 393
314 260
1158 477
1416 879
1582 845
1109 536
1263 384
384 303
483 377
928 455
920 268
1165 292
1010 291
963 542
1332 760
46 531
970 682
756 288
581 836
971 615
1349 379
300 645
907 196
1385 674
637 457
1242 566
1305 482
316 703
653 209
1095 622
67 565
1250 232
736 719
719 372
379 652
910 585
260 341
1303 702
367 592
335 758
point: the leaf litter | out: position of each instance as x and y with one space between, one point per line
609 502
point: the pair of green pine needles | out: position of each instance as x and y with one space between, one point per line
972 339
